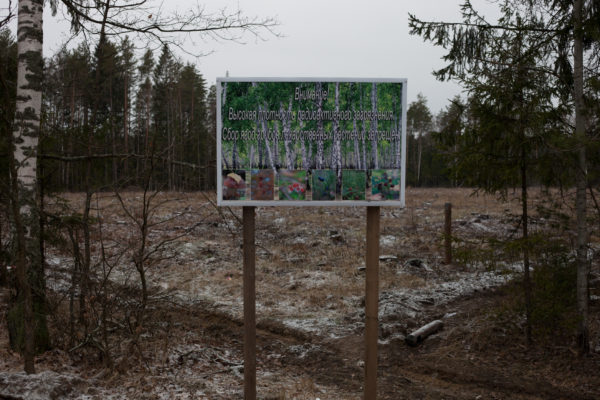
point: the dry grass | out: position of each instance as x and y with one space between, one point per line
309 281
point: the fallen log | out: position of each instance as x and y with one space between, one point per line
423 332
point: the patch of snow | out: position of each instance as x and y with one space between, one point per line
511 267
481 227
54 261
396 304
387 240
302 350
58 273
317 279
46 385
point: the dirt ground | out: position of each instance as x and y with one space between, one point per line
310 307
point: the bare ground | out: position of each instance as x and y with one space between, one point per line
310 301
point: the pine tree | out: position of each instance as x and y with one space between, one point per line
419 123
128 64
162 100
144 111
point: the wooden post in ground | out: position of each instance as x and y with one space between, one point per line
371 303
448 232
249 305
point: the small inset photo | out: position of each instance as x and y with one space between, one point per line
323 184
292 184
262 184
385 184
354 184
234 185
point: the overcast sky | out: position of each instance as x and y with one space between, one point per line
324 38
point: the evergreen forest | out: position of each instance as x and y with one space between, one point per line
112 117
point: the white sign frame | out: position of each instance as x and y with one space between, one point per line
310 203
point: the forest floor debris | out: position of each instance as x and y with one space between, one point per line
310 307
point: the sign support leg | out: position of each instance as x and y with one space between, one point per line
249 305
371 303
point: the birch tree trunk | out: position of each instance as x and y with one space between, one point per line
287 126
224 158
275 151
364 132
304 153
319 160
374 126
356 160
251 157
305 164
234 154
398 152
260 148
336 159
356 148
265 127
26 319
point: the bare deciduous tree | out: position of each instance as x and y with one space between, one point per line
104 18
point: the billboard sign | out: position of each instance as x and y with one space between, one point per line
311 142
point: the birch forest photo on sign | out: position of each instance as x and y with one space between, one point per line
311 141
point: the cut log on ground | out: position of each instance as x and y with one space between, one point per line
423 332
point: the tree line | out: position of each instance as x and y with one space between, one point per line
121 109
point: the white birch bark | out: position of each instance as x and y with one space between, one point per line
364 131
319 160
287 126
303 152
374 125
251 157
336 159
357 163
25 148
29 94
356 160
398 153
260 147
265 128
275 152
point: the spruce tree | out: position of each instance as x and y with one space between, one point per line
549 31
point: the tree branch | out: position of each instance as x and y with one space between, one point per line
57 157
10 14
138 18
